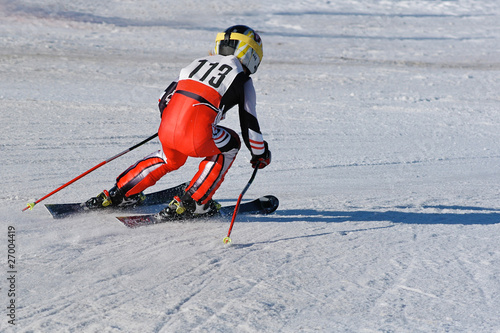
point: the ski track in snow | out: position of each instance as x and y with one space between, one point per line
383 120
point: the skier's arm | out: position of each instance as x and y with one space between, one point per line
250 129
165 98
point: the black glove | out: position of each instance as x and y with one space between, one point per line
163 101
263 160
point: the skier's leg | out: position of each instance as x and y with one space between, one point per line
143 174
198 196
213 169
148 171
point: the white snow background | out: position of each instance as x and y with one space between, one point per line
383 120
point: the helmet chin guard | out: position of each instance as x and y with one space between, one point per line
242 42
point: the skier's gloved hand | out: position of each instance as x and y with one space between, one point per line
163 101
261 161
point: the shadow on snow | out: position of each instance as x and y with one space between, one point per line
459 215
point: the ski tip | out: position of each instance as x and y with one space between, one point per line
54 212
137 221
127 221
269 203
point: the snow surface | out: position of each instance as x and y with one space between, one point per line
383 120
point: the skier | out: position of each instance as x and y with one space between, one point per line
191 108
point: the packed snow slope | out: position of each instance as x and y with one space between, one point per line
383 118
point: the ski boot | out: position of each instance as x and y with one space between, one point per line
179 209
114 198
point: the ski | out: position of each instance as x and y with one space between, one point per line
152 199
263 205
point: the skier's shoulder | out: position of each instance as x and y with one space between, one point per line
228 60
242 78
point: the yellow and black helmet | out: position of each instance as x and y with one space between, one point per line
242 42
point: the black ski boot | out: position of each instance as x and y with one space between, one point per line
114 198
186 207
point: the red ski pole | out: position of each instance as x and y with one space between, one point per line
32 204
226 239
